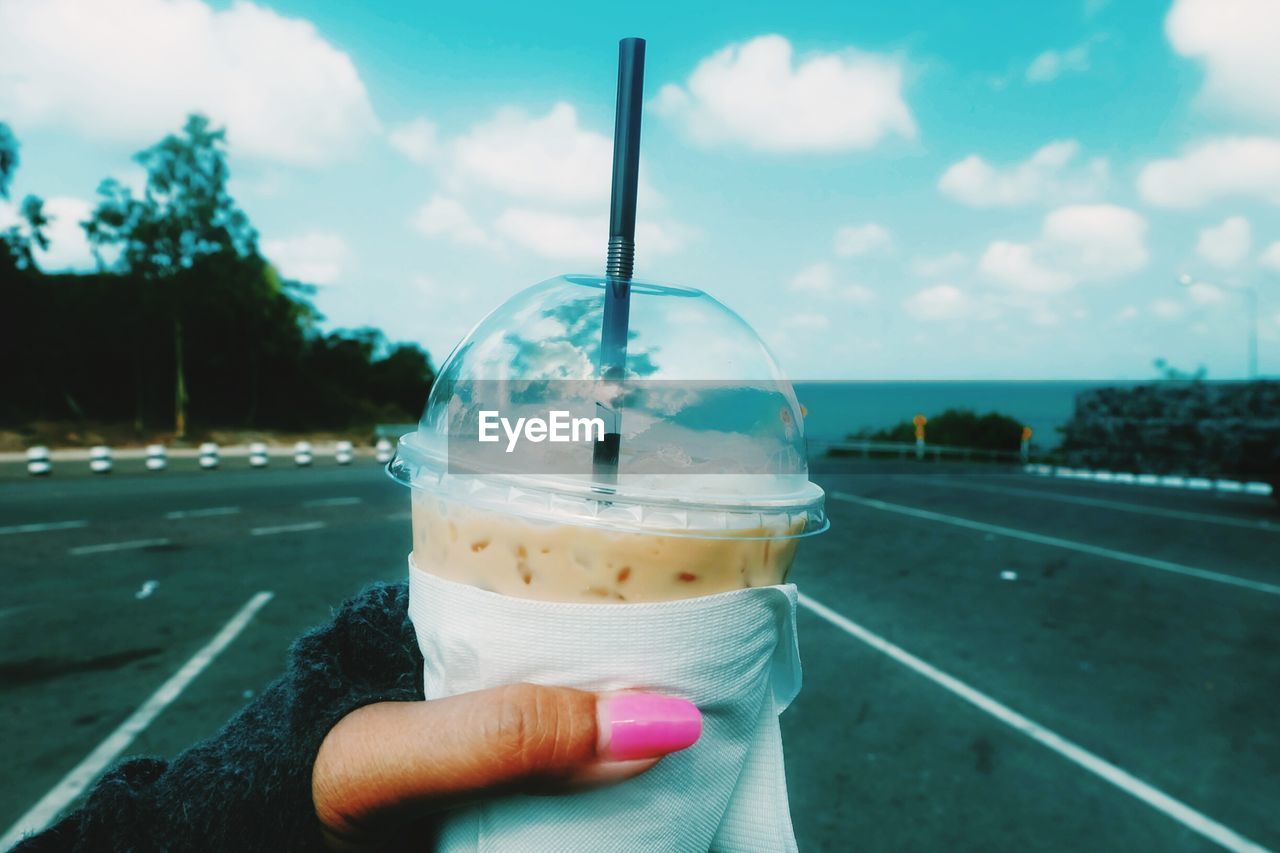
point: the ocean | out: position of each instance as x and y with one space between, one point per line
838 408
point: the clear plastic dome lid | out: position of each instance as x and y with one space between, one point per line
701 435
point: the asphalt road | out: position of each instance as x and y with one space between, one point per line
962 625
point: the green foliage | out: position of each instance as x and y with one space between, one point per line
189 318
1172 374
957 428
8 158
185 213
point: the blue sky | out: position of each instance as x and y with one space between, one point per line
910 190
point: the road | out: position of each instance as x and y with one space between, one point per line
993 661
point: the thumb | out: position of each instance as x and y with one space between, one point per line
393 761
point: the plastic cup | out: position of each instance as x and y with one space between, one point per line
711 493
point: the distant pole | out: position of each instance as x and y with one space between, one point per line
920 421
1251 304
1026 443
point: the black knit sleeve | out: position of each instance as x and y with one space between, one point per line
248 788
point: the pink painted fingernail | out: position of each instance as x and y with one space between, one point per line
646 725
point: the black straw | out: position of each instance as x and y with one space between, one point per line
622 243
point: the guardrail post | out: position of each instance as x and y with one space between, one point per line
342 453
383 451
302 453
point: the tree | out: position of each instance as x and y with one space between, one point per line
29 231
8 158
184 218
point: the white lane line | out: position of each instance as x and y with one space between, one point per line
42 527
207 512
333 502
399 516
51 804
1121 506
1123 780
287 528
130 545
1081 547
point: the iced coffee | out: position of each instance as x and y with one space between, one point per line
532 558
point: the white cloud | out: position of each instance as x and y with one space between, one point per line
1236 41
1041 316
807 322
131 70
418 140
1078 243
854 240
1016 265
1127 313
815 278
550 160
1047 176
757 94
1217 168
821 279
314 258
1270 257
1096 241
1227 244
69 249
1052 64
940 265
442 216
574 237
547 159
1203 293
1167 309
940 302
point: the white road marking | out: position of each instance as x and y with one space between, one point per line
202 513
1107 771
287 528
399 516
334 502
1125 781
42 527
1081 547
130 545
1163 512
83 774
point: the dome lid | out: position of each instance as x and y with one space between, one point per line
709 435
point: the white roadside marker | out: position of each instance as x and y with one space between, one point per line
157 457
209 456
1130 784
342 452
38 462
100 459
83 774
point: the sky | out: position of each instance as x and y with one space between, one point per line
922 189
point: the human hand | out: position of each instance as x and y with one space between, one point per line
385 765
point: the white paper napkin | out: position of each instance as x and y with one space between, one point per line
735 655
